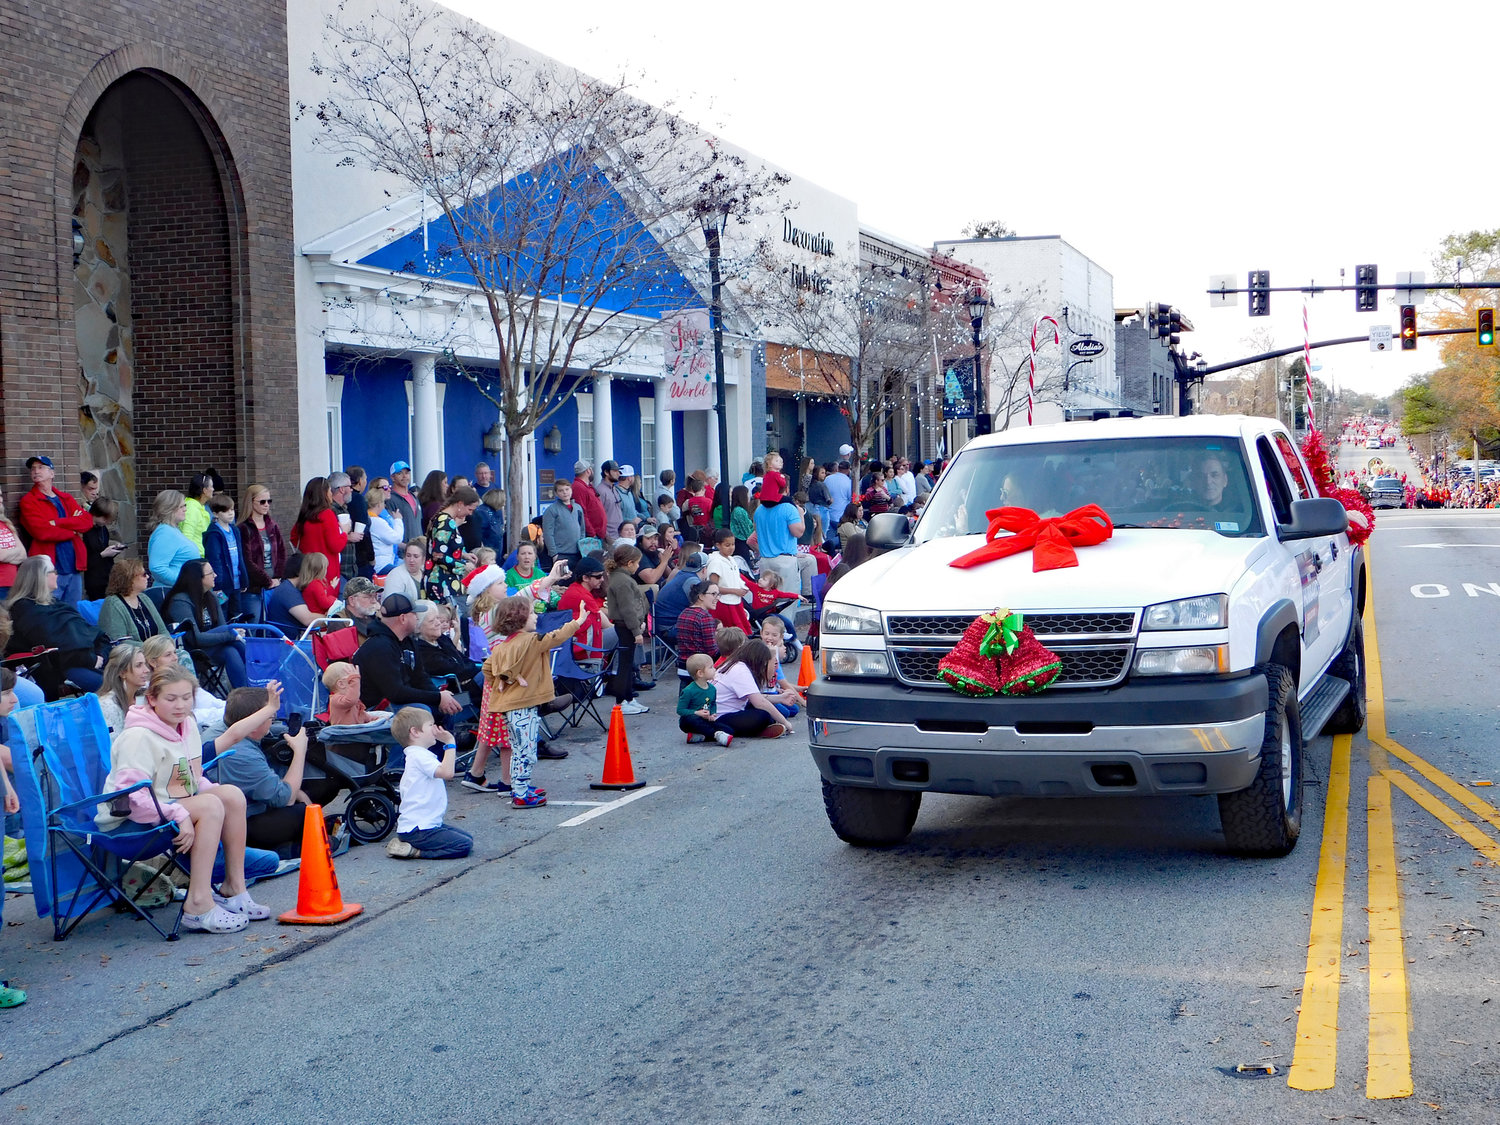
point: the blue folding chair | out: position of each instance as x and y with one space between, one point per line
84 865
89 611
584 677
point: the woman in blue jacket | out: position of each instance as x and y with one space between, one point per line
168 548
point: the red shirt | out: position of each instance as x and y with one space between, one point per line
592 633
593 510
699 510
325 536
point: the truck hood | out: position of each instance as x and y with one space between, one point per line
1134 568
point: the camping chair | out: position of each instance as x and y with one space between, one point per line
583 676
661 653
89 611
85 867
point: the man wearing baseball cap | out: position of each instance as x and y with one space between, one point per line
609 499
387 663
56 523
673 598
403 503
361 604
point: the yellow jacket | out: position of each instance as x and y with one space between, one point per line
518 672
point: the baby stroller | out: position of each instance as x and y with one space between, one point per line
364 760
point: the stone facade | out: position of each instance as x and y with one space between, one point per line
167 345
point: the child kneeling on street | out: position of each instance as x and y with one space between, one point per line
420 831
697 704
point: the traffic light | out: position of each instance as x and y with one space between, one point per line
1408 328
1174 328
1161 321
1260 292
1366 295
1484 328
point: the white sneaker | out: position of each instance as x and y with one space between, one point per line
633 707
723 737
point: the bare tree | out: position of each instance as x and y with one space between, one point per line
565 208
865 337
1008 326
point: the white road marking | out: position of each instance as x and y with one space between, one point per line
1434 546
586 804
602 809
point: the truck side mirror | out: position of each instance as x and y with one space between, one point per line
887 531
1313 518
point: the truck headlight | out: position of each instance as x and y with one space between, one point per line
839 617
857 662
1211 611
1200 660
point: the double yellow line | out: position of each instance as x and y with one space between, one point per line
1315 1060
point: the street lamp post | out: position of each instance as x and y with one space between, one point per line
978 302
713 221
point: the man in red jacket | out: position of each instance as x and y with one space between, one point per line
584 494
56 522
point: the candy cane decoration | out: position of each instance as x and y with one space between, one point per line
1312 423
1031 379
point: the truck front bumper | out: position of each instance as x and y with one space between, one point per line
1155 738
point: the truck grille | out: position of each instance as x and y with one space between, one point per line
1082 666
948 626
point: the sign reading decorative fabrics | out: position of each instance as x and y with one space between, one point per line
687 344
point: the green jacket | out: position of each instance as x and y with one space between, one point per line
116 623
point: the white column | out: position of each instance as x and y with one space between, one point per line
711 427
604 423
664 457
426 431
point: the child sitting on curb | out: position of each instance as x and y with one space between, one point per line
420 831
780 691
728 639
697 705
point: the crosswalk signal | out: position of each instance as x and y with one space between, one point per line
1484 328
1366 293
1408 328
1260 292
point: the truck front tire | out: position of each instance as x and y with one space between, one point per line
1266 818
870 818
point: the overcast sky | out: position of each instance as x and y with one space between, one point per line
1166 141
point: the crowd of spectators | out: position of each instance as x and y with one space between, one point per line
445 613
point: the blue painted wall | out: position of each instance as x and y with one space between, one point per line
566 421
374 410
467 415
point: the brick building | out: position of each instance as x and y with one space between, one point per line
146 313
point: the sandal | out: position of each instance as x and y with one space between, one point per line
11 997
242 903
215 921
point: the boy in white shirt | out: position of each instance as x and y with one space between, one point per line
420 831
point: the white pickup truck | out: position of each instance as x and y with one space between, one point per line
1199 643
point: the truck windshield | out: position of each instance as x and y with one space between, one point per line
1169 482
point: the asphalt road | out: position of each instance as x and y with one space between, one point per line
711 952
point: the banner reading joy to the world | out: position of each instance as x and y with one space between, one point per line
688 346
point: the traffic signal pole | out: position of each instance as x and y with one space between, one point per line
1248 360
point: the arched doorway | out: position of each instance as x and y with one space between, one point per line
158 246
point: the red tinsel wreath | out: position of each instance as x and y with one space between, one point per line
1361 515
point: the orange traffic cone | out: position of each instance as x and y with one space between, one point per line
618 772
318 900
808 674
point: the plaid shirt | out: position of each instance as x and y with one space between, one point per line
695 633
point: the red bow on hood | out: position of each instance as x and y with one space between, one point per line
1051 540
